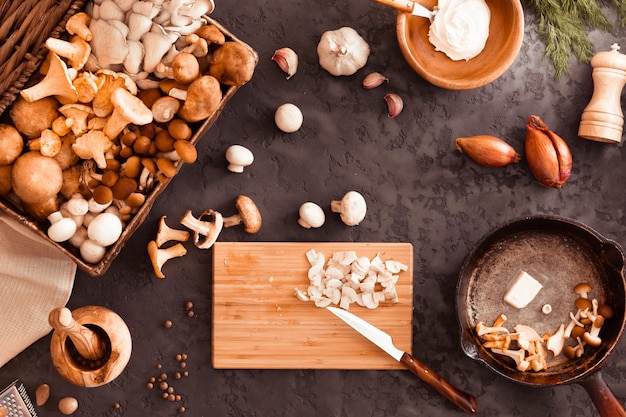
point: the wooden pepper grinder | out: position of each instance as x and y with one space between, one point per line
90 346
603 120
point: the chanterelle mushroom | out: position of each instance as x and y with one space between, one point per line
248 214
57 83
127 109
76 51
352 208
93 145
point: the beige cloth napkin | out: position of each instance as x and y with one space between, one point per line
35 277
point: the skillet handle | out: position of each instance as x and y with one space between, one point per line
461 399
602 396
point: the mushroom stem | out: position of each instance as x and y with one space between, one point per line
205 232
160 256
166 234
517 355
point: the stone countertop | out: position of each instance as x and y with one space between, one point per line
419 189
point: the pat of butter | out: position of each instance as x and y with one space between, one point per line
522 290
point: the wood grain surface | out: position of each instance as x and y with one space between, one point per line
259 323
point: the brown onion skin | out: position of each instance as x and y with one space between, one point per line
548 155
487 150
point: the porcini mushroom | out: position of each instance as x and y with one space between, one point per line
57 83
166 233
238 158
159 257
127 109
206 227
185 68
248 215
352 208
311 215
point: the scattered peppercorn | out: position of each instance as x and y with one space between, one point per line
183 364
188 305
190 313
181 409
168 324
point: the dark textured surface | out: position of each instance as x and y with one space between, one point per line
418 187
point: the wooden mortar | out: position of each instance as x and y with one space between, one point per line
90 346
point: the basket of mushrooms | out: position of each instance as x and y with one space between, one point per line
108 103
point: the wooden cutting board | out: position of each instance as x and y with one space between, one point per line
259 323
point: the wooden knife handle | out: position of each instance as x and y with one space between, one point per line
461 399
402 5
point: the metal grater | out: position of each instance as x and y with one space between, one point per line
15 399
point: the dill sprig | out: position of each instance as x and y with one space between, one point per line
564 24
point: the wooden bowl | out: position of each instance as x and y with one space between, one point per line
506 33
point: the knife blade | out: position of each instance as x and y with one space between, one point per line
461 399
409 6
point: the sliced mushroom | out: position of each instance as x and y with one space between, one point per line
206 227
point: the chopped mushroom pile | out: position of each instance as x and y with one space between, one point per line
347 278
529 350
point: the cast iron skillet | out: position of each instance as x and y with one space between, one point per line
559 253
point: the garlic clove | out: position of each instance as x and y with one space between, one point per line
287 60
394 104
487 150
548 155
373 80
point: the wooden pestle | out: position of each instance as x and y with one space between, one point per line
85 340
602 120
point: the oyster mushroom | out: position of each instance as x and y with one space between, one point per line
248 215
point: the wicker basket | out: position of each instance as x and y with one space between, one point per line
25 26
23 34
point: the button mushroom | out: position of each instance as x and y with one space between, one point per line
105 229
311 215
206 227
238 158
352 208
248 215
61 228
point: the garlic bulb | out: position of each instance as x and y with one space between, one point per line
342 51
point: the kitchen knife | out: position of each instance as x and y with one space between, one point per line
408 6
463 400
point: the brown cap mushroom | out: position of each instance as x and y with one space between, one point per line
30 118
248 215
11 144
36 178
185 67
204 96
583 289
233 63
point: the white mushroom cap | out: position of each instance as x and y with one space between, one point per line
62 228
238 158
91 251
105 229
352 208
311 215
